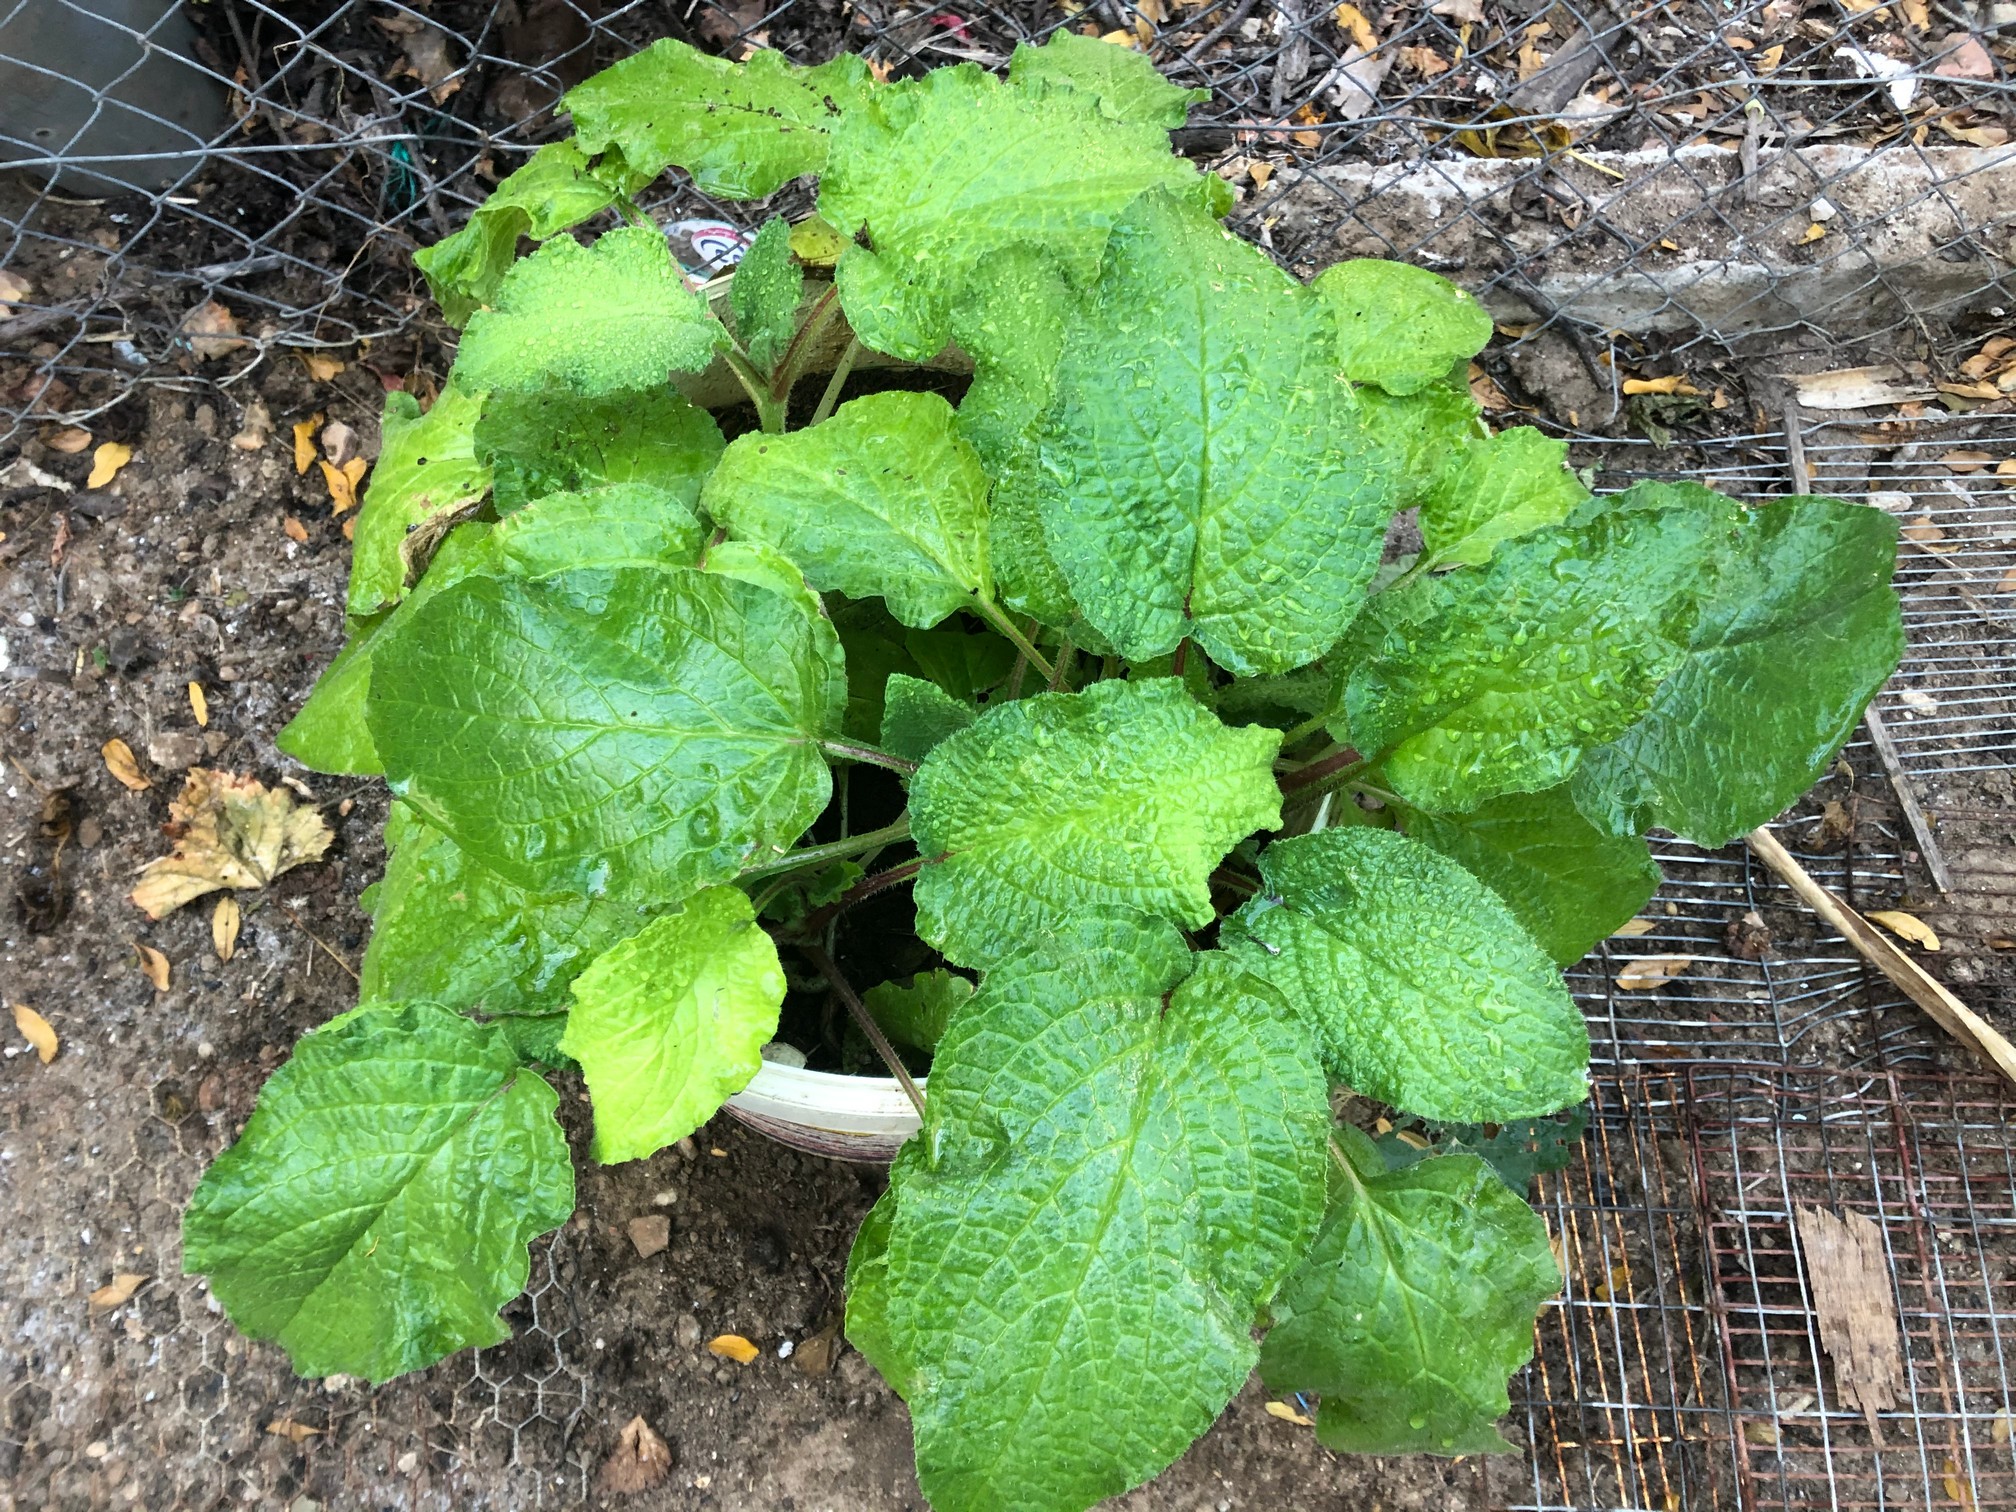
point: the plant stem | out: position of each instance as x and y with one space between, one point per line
833 850
769 409
1420 565
791 366
865 1022
992 613
1336 767
1065 656
1310 726
838 381
852 750
867 887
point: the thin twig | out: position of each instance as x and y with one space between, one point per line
838 381
865 1022
1907 799
289 915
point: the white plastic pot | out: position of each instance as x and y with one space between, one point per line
862 1118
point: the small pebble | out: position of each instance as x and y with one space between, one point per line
687 1331
650 1234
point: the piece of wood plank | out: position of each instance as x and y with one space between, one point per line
1907 799
1853 1304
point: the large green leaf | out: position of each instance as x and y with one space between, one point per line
915 1012
559 442
918 715
1112 1181
426 466
882 500
764 292
558 187
1127 85
1202 470
1414 1306
1426 434
1496 680
1425 990
638 732
1493 491
596 320
374 1214
743 130
1800 631
1124 795
448 930
1399 326
670 1023
946 171
1566 881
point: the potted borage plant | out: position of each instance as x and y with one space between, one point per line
1045 718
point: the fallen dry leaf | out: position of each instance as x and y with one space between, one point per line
304 442
1288 1414
2008 583
1955 1482
153 966
733 1347
13 287
1352 22
1967 60
1747 937
35 1029
343 482
814 1356
224 924
1922 532
212 331
1652 972
199 706
639 1461
1460 10
1905 926
124 765
1813 233
296 531
1672 383
70 440
322 368
106 462
1424 61
118 1292
1859 388
293 1432
231 832
1485 391
1967 461
1631 928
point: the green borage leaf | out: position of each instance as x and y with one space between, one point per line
556 441
764 292
374 1215
427 467
1125 82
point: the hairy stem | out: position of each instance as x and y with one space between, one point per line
833 850
854 750
769 409
1335 767
992 612
791 366
837 382
816 921
1311 726
1065 656
865 1022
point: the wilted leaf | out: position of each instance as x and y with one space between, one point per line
1672 383
293 1432
1906 926
1923 533
1652 972
343 482
212 331
153 965
733 1347
304 442
69 440
1352 22
1282 1410
106 462
1967 461
322 368
224 927
232 832
1859 388
118 1292
199 705
295 530
35 1029
639 1461
122 764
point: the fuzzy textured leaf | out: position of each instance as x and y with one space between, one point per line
670 1023
620 525
558 442
595 320
916 1012
1112 1181
945 171
639 732
448 930
1801 629
558 187
882 500
1126 83
743 130
1414 1306
1493 491
1202 470
427 466
1399 326
918 715
765 291
374 1215
1423 988
1566 881
1125 795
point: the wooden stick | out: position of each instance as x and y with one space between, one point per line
1907 800
1946 1010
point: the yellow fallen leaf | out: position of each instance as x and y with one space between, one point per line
295 530
1907 927
1967 461
70 440
1813 233
1917 13
106 462
1352 20
153 966
35 1029
1958 1491
1288 1414
1923 533
1672 383
232 832
122 764
304 442
199 706
1652 972
733 1347
1260 173
118 1292
322 368
2000 1432
343 482
2008 583
1768 60
290 1430
224 927
13 287
1631 928
1761 1433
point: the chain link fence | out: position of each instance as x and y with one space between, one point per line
1769 246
